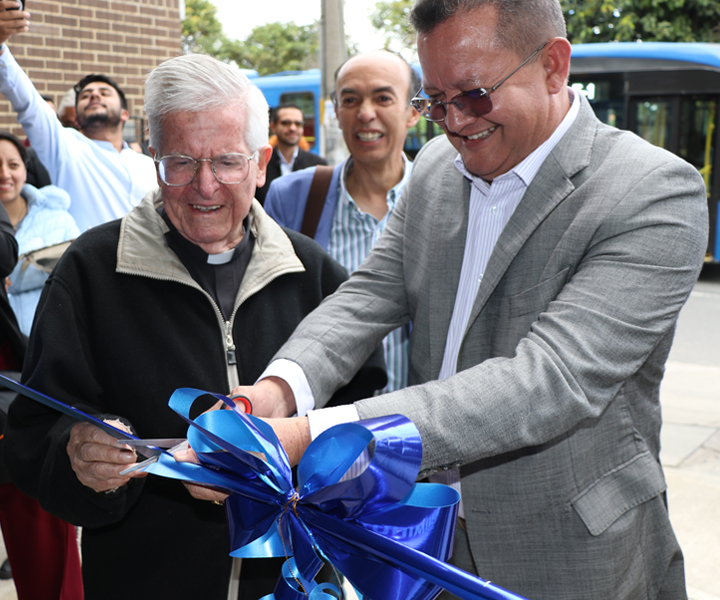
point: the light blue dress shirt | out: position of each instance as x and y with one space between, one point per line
352 235
104 184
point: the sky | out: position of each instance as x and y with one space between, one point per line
239 17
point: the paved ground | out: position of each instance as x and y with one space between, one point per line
690 440
691 436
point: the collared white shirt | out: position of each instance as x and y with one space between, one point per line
491 206
103 184
285 166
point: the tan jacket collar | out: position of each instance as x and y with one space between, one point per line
142 249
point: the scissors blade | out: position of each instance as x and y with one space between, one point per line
181 445
151 446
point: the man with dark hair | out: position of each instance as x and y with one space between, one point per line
372 102
542 258
103 176
287 124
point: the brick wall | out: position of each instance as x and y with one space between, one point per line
70 38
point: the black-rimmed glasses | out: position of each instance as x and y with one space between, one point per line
177 169
474 103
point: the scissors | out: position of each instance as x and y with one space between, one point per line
152 448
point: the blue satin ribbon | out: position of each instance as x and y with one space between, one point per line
388 535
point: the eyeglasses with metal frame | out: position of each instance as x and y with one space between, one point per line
177 170
473 103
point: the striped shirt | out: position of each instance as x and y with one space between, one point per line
352 235
491 206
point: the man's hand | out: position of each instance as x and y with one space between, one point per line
199 491
271 398
294 435
12 21
97 458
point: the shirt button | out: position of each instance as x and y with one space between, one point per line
494 209
480 278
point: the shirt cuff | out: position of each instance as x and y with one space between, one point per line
319 420
292 374
325 418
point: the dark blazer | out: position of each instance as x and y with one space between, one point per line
303 161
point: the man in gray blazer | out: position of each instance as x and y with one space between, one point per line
542 258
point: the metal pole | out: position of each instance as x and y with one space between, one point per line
333 53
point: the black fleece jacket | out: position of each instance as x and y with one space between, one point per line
119 344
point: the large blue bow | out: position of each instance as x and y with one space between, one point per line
388 535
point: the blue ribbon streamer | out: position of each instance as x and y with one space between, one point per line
388 535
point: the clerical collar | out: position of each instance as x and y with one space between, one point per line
195 252
223 257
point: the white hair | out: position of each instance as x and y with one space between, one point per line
199 83
68 99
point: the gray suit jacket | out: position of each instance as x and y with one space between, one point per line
554 413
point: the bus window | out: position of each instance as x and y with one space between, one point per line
697 128
306 102
606 95
653 120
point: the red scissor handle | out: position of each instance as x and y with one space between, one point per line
245 401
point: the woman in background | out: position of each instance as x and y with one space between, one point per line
40 218
42 549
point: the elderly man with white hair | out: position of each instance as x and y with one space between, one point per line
196 287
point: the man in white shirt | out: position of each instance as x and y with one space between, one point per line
542 258
103 176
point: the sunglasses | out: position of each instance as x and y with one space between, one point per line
475 103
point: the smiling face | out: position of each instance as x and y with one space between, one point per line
372 106
12 172
460 55
99 102
289 126
206 212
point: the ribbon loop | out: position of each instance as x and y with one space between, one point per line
357 505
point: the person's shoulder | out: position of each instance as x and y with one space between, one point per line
311 159
304 246
629 153
98 239
49 197
312 254
436 149
288 183
130 154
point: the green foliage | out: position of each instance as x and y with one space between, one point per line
202 33
646 20
276 47
391 18
269 48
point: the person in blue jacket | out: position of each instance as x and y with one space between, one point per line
40 218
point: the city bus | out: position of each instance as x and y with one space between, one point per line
665 92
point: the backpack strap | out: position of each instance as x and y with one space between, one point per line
316 200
